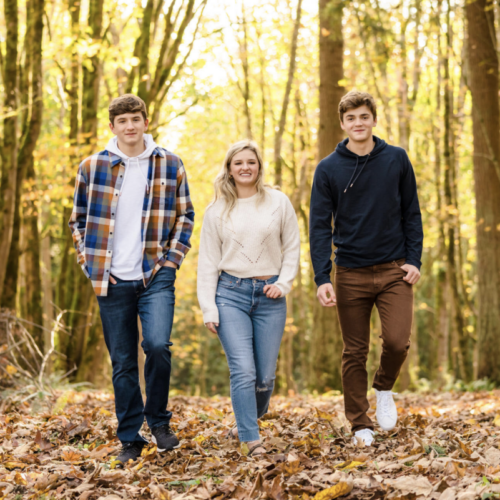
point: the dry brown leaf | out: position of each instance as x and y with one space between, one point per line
43 444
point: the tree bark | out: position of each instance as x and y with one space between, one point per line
465 361
92 75
331 72
484 84
32 74
10 145
326 344
278 138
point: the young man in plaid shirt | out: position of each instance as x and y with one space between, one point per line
132 221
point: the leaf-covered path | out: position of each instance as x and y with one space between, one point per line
446 447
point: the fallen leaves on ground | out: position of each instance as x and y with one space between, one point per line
445 447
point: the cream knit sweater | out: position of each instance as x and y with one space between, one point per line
256 239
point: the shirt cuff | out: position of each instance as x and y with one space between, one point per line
322 279
211 316
175 256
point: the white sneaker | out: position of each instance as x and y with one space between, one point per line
387 413
365 436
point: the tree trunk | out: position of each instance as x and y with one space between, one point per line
244 63
278 138
449 158
483 82
326 344
331 73
32 90
9 149
92 75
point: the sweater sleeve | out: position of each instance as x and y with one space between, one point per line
290 241
321 227
209 258
412 218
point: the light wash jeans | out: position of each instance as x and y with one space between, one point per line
250 330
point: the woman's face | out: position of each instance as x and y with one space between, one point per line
244 168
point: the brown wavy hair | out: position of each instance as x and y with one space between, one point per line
127 103
354 99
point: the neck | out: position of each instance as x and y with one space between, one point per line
361 148
132 150
246 191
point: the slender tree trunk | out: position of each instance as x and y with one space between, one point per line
62 297
245 66
32 90
331 73
9 149
449 158
326 344
441 323
484 84
144 80
278 138
92 75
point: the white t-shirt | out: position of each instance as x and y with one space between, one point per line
126 263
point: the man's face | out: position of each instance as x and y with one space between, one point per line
129 128
358 123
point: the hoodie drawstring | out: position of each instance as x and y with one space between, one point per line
140 170
349 185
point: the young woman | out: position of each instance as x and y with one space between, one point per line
249 256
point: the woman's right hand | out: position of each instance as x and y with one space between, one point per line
212 327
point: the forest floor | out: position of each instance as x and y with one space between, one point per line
446 446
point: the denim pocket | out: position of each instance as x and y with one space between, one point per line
227 283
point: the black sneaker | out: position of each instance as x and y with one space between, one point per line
164 438
130 451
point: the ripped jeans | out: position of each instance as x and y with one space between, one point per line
250 330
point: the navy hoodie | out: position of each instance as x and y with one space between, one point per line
374 203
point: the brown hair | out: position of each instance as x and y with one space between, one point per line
126 103
354 99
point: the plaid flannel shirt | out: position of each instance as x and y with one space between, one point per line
167 214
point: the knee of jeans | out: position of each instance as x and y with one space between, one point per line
244 373
265 385
157 348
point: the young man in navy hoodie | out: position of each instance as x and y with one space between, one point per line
132 221
369 190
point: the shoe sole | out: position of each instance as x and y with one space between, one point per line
161 450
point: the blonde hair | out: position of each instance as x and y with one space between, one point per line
224 185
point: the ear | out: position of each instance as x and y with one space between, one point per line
375 123
146 123
342 125
112 128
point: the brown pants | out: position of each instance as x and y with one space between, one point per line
357 290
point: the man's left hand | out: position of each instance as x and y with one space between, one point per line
413 274
169 263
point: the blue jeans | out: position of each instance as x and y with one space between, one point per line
119 310
250 330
